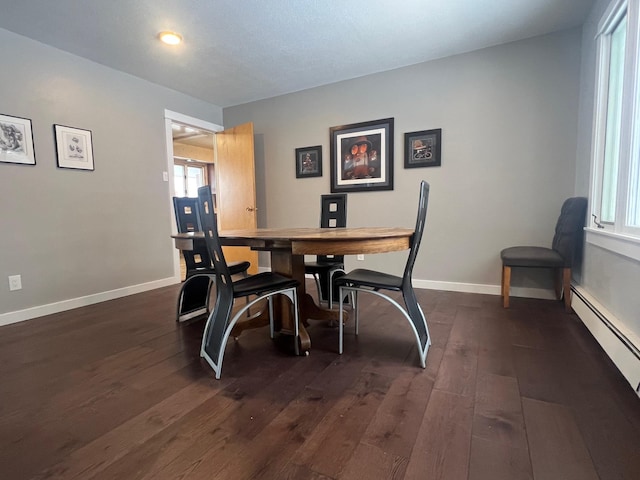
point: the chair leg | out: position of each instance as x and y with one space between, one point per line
340 321
354 305
316 278
566 287
356 318
558 282
506 281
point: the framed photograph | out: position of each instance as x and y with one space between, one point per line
16 140
362 156
74 148
309 162
423 149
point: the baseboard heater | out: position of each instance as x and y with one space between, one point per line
621 345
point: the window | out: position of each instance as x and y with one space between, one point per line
187 177
616 162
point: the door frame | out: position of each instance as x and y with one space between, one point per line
169 118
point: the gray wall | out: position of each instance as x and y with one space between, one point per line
610 278
509 123
73 233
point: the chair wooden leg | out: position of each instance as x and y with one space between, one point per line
506 280
566 287
558 282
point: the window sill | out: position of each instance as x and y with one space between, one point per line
625 245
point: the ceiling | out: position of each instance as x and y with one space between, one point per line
189 135
238 51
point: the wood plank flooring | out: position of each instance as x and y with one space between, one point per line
118 391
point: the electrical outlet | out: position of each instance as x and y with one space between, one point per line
15 282
360 257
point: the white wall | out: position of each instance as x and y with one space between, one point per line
71 233
509 123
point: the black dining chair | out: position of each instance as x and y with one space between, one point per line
263 285
371 281
333 214
560 257
194 295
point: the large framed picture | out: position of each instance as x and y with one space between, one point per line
74 148
362 156
423 149
309 162
16 140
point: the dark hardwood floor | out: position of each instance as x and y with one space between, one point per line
118 391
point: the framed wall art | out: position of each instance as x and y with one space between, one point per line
362 156
309 162
74 148
423 149
16 140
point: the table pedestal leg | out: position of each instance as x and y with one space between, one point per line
282 261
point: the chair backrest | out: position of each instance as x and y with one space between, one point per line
568 234
333 214
186 214
188 220
215 331
209 223
419 230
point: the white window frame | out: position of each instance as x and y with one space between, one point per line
187 163
616 236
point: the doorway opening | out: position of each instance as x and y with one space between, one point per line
190 164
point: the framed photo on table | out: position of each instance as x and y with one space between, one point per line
309 162
362 156
423 149
74 148
16 140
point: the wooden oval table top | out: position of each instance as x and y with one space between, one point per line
317 241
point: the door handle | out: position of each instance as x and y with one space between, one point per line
252 209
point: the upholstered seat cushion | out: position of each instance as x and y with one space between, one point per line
532 257
234 267
370 278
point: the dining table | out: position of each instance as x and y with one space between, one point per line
287 248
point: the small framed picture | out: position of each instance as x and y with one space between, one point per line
74 148
16 140
309 162
423 149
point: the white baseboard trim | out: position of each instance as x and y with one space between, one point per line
485 289
457 287
481 288
622 346
41 310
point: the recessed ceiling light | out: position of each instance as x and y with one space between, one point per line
170 38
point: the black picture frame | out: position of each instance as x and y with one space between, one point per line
371 166
309 162
16 140
423 148
74 148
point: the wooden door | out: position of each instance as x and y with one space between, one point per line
236 188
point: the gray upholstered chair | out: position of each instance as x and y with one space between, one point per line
560 257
